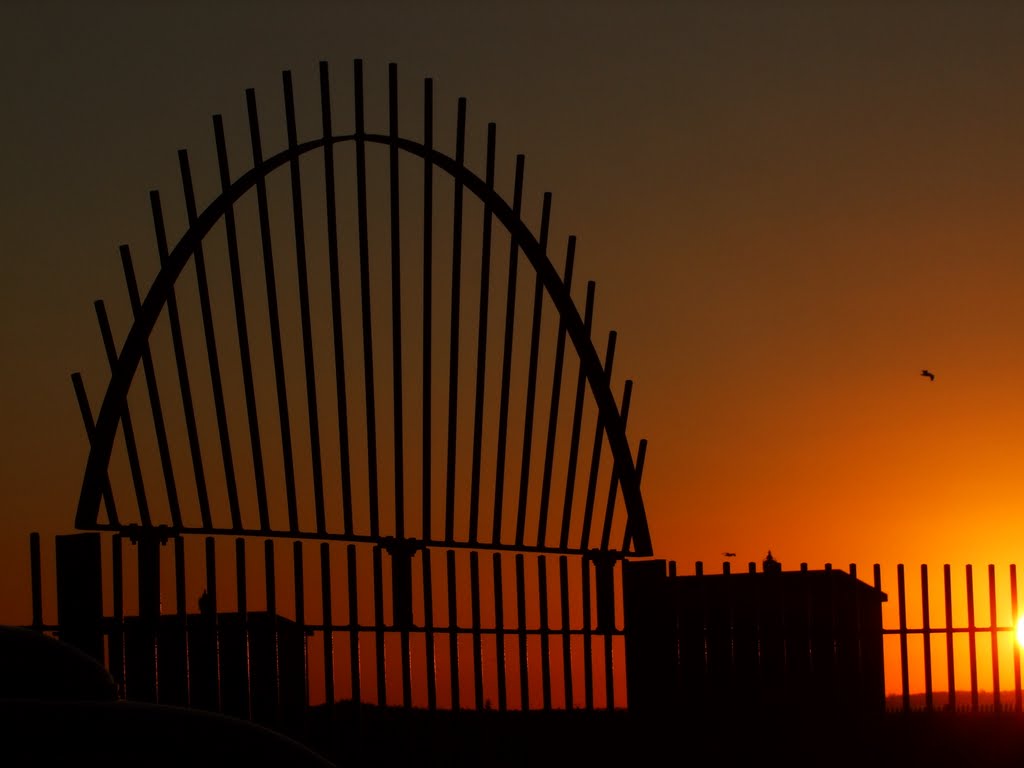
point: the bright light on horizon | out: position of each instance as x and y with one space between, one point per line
1020 631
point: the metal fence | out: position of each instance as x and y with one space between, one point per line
420 483
948 645
941 624
265 629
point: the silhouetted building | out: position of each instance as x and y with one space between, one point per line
257 663
735 641
250 665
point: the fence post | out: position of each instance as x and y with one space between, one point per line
926 629
37 581
948 601
79 592
650 644
996 703
904 663
1016 645
972 638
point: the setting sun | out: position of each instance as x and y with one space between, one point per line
1020 631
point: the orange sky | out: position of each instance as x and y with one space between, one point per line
789 209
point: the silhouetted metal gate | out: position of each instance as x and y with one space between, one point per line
456 548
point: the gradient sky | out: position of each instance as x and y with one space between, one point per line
789 208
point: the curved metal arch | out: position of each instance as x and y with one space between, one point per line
115 397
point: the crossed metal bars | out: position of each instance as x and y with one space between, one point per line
595 532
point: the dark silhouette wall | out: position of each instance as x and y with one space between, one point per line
792 639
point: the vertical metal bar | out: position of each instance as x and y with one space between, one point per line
641 455
378 620
563 591
453 354
1016 645
926 633
996 703
499 632
154 393
609 511
677 672
556 394
453 629
298 578
241 326
336 319
948 593
877 573
545 633
474 588
588 636
904 663
524 661
406 651
270 591
859 614
243 617
180 605
396 301
808 646
609 672
182 611
126 420
327 605
35 556
211 607
595 456
506 363
481 345
972 638
270 279
531 378
212 358
364 288
353 624
79 592
181 364
316 463
83 406
117 632
832 649
428 631
428 311
577 422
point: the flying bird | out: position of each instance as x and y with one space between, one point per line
929 374
728 554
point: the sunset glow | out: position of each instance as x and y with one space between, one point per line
781 242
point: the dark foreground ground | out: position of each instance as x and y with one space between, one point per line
124 735
59 707
368 736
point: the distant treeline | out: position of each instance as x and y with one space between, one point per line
964 703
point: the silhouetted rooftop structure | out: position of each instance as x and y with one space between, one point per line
795 639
